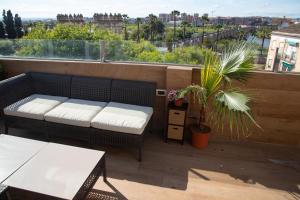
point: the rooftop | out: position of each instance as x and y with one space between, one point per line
291 30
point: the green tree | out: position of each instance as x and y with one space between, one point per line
138 22
184 25
263 33
125 21
2 30
219 26
8 20
205 20
152 25
159 27
174 13
18 26
241 33
7 47
146 31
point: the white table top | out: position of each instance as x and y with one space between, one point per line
14 152
57 170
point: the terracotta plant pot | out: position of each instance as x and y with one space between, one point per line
178 102
200 136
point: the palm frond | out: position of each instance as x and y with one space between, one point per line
197 91
237 61
230 107
210 75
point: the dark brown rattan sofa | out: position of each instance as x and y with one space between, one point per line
137 95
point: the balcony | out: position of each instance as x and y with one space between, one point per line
264 165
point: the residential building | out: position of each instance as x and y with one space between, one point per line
164 17
284 53
192 19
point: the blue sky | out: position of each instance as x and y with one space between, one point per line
134 8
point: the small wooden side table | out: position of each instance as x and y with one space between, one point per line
176 122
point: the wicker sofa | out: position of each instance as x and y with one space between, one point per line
100 111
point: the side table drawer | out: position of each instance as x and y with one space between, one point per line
175 132
176 117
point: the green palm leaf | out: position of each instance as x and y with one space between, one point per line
231 107
237 61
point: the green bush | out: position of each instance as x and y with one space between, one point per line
7 48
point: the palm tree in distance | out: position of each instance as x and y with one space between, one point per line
184 24
263 33
174 13
138 22
219 26
204 21
152 24
125 21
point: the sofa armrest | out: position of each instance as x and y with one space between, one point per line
14 89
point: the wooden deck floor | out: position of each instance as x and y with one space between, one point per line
222 171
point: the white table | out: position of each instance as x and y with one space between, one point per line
14 152
57 172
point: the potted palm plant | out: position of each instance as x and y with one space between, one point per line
228 105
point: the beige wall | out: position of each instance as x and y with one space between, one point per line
276 104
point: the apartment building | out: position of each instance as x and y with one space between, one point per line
284 53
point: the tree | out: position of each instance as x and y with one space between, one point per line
204 21
263 33
152 25
219 26
184 24
146 31
8 20
19 27
125 21
138 22
159 27
2 30
241 34
174 13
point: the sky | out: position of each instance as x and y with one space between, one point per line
142 8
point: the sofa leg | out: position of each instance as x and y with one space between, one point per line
47 137
151 126
91 144
140 154
5 129
104 171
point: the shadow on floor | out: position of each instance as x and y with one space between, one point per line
95 194
172 165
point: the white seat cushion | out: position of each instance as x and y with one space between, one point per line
34 106
75 112
124 118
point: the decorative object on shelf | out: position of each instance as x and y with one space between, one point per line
228 105
176 122
173 97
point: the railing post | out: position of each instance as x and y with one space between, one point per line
86 50
50 48
102 50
